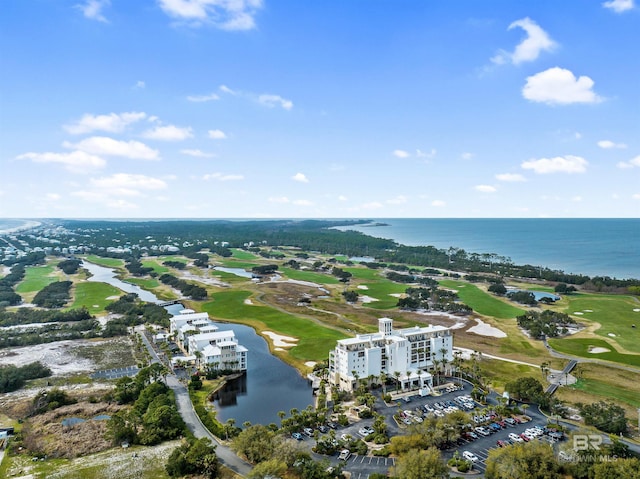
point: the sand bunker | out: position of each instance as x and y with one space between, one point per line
280 341
484 329
396 295
363 286
612 335
310 363
579 313
248 301
112 298
368 299
594 350
588 310
636 310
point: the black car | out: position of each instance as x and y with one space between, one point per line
333 425
323 429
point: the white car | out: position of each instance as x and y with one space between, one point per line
469 456
344 455
515 437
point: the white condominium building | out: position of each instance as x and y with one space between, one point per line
405 355
196 333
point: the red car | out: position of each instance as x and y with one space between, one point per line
502 443
524 438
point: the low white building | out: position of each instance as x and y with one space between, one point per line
200 337
406 355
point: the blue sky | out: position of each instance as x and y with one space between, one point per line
333 108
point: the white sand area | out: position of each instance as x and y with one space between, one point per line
397 295
579 313
363 286
112 298
368 299
612 335
248 301
58 356
280 341
484 329
310 364
588 310
593 350
636 310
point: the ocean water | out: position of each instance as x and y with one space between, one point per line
596 247
9 224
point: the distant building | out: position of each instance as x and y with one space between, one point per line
403 354
200 338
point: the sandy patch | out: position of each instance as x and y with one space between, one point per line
58 356
579 313
280 341
248 301
593 350
362 286
278 349
112 298
612 335
368 299
310 363
484 329
588 310
200 279
396 295
636 310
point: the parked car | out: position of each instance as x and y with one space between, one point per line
308 431
323 429
524 437
469 456
514 437
365 431
501 443
333 425
344 455
297 435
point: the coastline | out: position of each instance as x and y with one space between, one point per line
28 225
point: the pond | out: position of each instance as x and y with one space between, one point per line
269 386
538 295
101 274
237 271
72 421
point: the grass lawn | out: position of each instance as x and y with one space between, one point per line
36 278
93 296
310 276
498 373
233 263
315 340
157 267
481 302
106 262
580 347
382 289
607 390
144 283
243 255
367 274
615 314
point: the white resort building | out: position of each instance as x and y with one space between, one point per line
406 355
196 334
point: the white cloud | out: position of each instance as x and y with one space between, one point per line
302 203
558 86
485 188
223 14
75 161
438 203
53 196
467 156
576 199
92 9
113 122
619 6
197 153
140 84
217 134
373 205
203 98
429 154
398 200
279 200
634 162
129 183
636 196
529 49
401 154
102 145
265 99
559 164
513 177
342 198
168 133
275 100
608 144
221 177
300 177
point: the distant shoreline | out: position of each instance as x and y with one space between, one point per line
28 224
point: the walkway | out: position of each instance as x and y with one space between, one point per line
192 420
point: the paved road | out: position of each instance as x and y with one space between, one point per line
191 419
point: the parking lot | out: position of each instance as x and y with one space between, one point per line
116 373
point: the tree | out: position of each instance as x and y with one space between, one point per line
256 443
617 469
498 288
606 416
417 464
532 460
525 389
271 468
195 456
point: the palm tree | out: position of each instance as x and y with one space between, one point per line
397 375
445 361
544 369
281 415
383 381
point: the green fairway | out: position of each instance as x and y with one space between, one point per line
366 274
481 302
615 314
106 262
242 255
498 373
144 283
233 263
607 390
310 276
382 289
94 296
36 278
315 340
582 346
157 267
